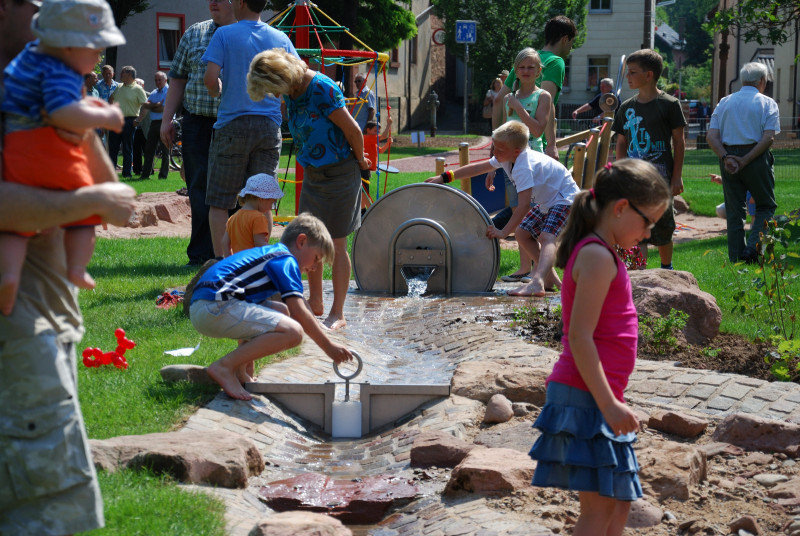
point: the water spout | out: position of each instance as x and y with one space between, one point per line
416 278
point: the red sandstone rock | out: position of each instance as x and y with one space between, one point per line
354 502
492 471
670 469
438 449
680 424
655 292
218 458
516 380
747 523
755 433
299 524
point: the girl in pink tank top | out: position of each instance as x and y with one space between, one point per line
587 429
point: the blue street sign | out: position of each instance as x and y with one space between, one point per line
466 31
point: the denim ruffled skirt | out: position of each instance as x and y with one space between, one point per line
578 451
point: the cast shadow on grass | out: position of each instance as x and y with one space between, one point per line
144 270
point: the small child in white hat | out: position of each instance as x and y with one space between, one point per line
48 75
251 226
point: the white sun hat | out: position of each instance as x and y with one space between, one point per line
262 185
76 23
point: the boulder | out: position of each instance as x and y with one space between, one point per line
300 524
186 373
498 409
755 433
481 379
154 206
218 458
643 515
676 423
670 469
360 501
656 292
491 471
438 449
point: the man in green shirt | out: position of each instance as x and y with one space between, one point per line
559 34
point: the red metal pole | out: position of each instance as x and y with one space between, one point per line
302 19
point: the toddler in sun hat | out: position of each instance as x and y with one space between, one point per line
251 226
48 76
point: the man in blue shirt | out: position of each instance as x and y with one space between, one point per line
247 137
155 106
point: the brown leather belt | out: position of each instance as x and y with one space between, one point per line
746 146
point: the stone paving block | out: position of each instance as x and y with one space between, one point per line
753 382
736 390
752 405
721 403
645 387
688 402
687 378
713 379
768 394
661 400
663 374
783 407
671 390
701 391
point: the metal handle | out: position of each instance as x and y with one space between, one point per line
356 373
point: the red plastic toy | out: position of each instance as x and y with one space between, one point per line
95 357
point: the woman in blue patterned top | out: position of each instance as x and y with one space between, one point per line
331 151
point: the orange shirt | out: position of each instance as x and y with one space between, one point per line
243 225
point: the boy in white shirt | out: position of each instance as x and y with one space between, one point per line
545 189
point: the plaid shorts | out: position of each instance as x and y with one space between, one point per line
537 223
248 145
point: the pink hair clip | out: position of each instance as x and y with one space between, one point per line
608 165
591 192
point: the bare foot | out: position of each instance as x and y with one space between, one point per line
244 377
335 322
8 295
78 276
534 288
316 306
228 381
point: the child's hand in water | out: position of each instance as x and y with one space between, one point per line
621 418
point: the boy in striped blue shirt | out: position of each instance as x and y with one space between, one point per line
232 300
48 76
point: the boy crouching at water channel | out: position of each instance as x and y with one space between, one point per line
231 301
545 189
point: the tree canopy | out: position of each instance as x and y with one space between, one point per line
504 28
699 45
763 21
125 8
380 24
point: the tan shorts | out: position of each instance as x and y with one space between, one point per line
234 319
48 483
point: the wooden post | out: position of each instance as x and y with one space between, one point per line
578 162
439 165
463 160
591 159
605 144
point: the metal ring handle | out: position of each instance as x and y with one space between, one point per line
356 373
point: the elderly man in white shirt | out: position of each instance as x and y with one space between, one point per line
742 129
